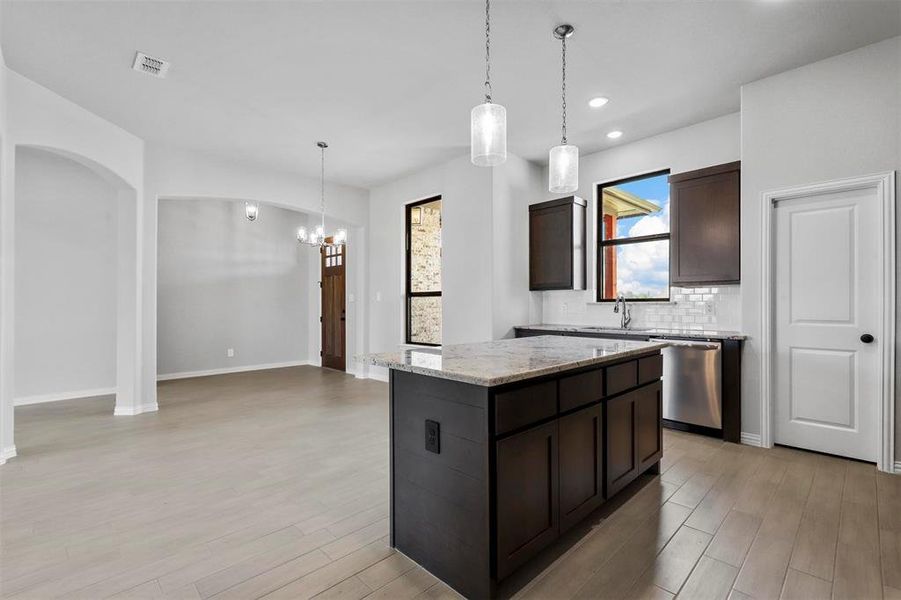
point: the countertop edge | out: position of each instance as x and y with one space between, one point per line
701 334
522 376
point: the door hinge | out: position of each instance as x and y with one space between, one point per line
320 318
320 353
320 283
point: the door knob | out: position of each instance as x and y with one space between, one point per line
867 338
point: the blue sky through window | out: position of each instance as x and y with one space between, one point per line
655 189
642 269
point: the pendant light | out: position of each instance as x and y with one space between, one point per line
318 238
488 121
251 211
563 169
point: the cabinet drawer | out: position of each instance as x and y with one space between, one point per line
621 377
581 389
523 406
650 368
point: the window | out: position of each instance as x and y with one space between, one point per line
633 238
424 272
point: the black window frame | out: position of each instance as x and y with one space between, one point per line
602 243
409 293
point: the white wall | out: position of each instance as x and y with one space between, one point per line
702 145
225 282
66 277
515 185
7 215
828 120
484 260
174 173
465 192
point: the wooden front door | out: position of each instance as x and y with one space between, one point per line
333 260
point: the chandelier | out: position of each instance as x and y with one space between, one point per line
318 238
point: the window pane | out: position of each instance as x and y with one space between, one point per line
425 319
639 270
425 247
636 208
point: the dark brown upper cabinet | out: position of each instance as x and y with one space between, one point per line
557 244
705 247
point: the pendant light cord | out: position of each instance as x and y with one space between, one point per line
322 189
563 93
488 51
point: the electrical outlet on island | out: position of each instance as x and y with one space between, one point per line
230 352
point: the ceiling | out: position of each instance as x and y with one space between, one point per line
389 84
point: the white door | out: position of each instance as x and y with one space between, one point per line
828 294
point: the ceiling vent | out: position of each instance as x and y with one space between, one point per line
150 65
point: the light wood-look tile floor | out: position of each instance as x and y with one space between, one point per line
274 484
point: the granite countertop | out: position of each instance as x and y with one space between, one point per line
495 363
713 334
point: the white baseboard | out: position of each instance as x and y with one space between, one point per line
7 453
377 373
226 370
750 439
130 411
897 467
41 398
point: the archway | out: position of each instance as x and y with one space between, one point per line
73 326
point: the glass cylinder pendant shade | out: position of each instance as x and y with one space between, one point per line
302 235
488 135
563 170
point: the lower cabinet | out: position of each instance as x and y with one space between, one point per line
619 436
527 495
648 433
581 465
633 435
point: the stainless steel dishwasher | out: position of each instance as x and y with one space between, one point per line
692 382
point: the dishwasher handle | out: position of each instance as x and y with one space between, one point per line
701 345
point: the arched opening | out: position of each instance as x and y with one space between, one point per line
235 295
75 281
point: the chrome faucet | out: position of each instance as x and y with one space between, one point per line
626 315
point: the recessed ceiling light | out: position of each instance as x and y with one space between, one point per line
598 102
615 134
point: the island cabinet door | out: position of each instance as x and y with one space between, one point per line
621 463
581 467
648 432
527 495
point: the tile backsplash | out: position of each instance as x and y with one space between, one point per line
715 307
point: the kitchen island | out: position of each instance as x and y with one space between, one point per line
498 448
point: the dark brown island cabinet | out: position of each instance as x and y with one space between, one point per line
705 247
484 478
